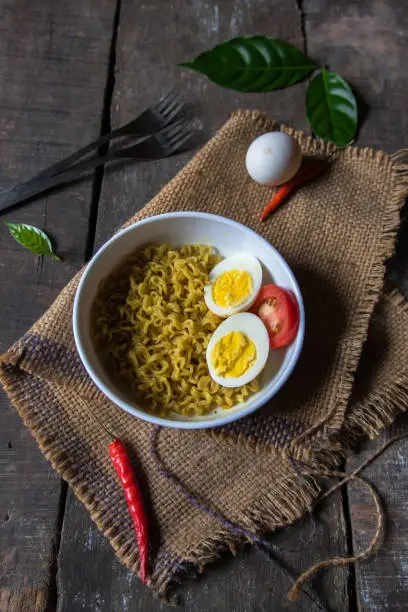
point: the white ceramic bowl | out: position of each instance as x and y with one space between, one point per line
227 237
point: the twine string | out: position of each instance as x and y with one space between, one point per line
302 470
370 459
241 532
294 592
399 155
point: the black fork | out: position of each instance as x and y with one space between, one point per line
150 121
163 144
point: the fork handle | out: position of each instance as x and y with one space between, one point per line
104 139
64 164
14 193
32 188
66 170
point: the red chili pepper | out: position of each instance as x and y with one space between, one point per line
123 467
306 173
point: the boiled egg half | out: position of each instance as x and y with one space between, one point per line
233 285
238 350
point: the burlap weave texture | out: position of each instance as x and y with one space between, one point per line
336 234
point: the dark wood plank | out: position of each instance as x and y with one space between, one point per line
53 65
382 581
251 582
153 37
366 42
144 72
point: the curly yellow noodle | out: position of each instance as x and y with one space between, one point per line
152 328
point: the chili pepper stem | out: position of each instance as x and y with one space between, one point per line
106 430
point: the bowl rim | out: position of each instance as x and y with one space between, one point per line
151 418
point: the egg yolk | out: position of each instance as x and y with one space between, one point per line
233 355
232 288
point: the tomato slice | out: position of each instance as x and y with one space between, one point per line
279 311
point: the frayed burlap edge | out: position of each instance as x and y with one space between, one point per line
367 418
291 499
378 411
301 448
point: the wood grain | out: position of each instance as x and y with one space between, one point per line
53 61
382 581
366 42
53 66
152 38
251 582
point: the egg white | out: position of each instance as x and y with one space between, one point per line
273 158
252 326
241 261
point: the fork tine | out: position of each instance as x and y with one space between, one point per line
171 130
165 100
176 146
162 100
178 111
178 139
174 106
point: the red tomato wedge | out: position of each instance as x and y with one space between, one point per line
279 311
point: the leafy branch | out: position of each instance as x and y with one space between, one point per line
262 64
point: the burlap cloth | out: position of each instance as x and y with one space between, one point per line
336 234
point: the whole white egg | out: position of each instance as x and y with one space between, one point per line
273 158
233 285
254 333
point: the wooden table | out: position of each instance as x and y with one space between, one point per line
70 70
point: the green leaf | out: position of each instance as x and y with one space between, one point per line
253 63
32 238
331 108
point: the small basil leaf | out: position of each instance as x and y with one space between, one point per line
253 63
32 238
331 108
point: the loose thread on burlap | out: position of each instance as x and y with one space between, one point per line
399 155
240 531
264 545
302 470
294 592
